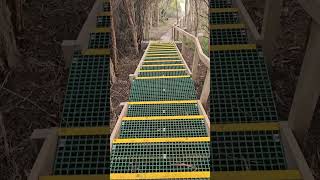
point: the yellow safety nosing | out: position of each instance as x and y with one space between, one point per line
75 177
163 70
83 131
152 55
161 140
164 102
169 45
90 52
260 175
160 48
149 61
222 10
163 77
147 118
104 13
232 47
160 65
227 26
245 127
102 30
161 175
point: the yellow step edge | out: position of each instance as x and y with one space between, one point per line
161 65
163 70
161 48
147 118
245 127
108 13
161 140
232 47
160 175
75 177
163 77
102 30
84 131
168 45
152 55
163 57
90 52
150 61
227 26
164 102
222 10
257 175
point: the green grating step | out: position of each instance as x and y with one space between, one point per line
228 36
221 4
182 66
162 90
241 89
175 73
174 57
103 21
141 110
224 18
82 155
162 62
106 7
100 40
160 157
241 151
86 98
163 128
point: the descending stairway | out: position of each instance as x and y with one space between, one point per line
83 137
163 135
245 137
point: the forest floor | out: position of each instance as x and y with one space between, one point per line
32 95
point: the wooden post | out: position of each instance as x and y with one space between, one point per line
308 87
68 47
195 64
271 29
205 89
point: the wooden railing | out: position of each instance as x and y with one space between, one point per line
308 88
198 55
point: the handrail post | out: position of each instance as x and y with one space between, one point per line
308 87
205 89
195 65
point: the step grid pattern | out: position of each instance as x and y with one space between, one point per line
164 111
241 95
86 105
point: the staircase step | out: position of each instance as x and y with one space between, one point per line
86 99
228 36
162 90
82 155
99 40
224 18
221 4
163 128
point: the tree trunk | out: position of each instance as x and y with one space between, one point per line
156 14
9 53
128 9
177 11
114 58
196 18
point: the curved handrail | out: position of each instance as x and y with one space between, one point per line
203 57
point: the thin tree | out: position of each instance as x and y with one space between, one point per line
177 11
129 12
9 53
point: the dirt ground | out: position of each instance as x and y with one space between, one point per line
32 96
